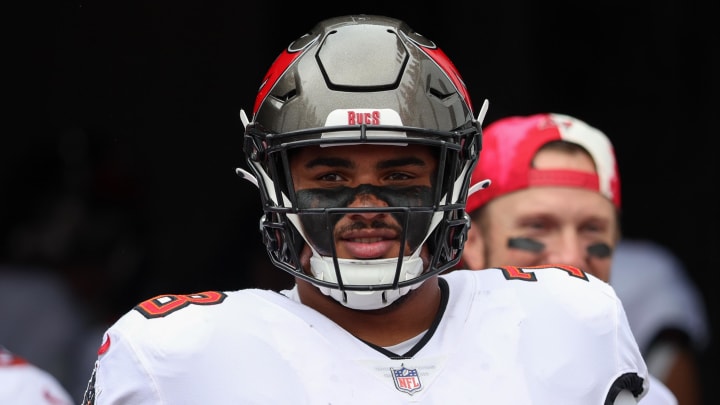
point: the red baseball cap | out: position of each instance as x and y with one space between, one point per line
510 144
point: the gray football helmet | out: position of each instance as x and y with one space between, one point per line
354 80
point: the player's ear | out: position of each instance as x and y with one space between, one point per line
474 251
305 255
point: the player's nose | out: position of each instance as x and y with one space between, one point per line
368 200
568 249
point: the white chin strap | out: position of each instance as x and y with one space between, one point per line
366 272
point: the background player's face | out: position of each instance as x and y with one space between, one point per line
566 220
365 176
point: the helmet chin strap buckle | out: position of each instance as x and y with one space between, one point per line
383 298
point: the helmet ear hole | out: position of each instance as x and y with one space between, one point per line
270 237
252 147
283 243
458 237
446 243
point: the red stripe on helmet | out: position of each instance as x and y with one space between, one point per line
450 70
277 69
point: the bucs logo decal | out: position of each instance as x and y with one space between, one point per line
361 117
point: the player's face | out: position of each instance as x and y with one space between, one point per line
548 225
566 221
364 176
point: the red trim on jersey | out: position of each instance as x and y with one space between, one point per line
105 346
7 359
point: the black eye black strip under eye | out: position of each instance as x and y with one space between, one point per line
600 250
528 244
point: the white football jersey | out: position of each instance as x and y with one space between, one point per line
657 293
504 336
23 383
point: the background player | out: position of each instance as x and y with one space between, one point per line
666 312
23 383
554 198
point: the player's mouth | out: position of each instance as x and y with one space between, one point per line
369 244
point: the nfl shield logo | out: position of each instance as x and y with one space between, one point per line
406 380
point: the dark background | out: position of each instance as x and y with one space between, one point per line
123 133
